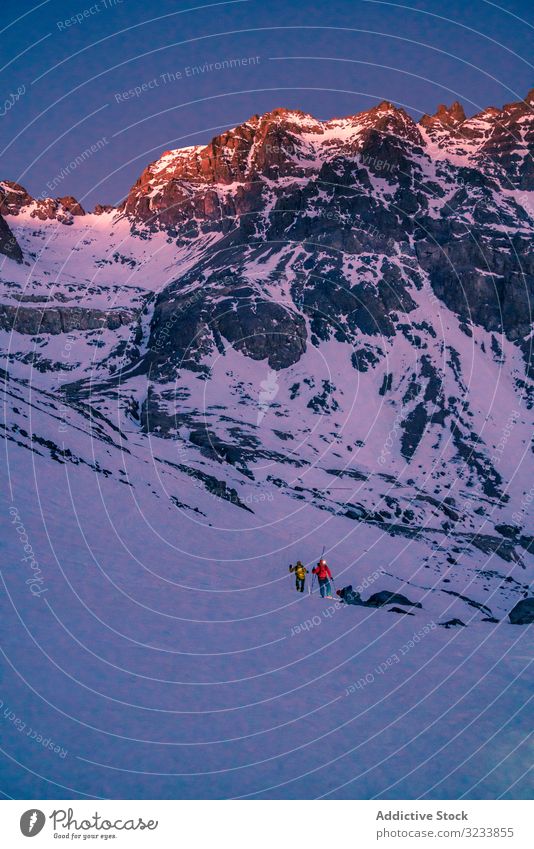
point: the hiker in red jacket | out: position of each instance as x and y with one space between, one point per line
323 574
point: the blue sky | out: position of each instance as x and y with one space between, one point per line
66 66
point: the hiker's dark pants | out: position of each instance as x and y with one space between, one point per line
324 587
300 584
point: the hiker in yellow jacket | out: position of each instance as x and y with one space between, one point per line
300 575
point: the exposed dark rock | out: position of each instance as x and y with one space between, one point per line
413 429
14 198
347 473
57 320
364 359
154 417
505 548
101 208
8 244
186 326
400 610
386 384
471 602
70 204
216 487
324 402
385 597
477 281
483 275
445 116
263 330
523 612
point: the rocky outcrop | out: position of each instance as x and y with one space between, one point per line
385 597
449 117
57 320
480 282
499 139
262 330
102 208
184 329
70 204
14 199
8 244
511 139
523 612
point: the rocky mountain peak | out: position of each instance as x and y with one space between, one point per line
102 208
383 106
70 204
296 116
235 173
448 116
14 199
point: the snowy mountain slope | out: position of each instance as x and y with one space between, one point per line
305 333
168 655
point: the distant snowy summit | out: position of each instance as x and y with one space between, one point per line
284 144
450 194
